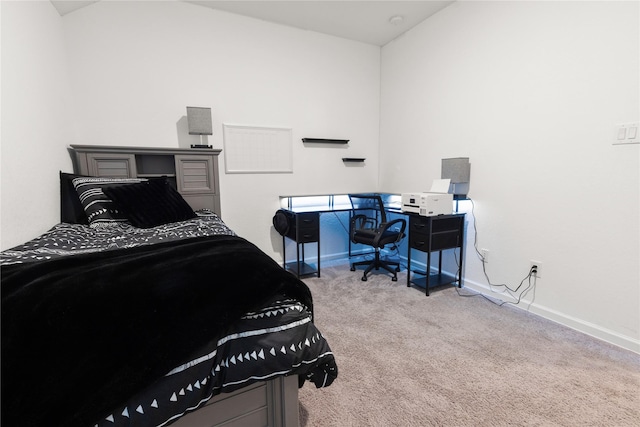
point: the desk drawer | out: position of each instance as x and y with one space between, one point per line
425 224
308 220
306 235
305 227
419 241
439 241
419 225
447 224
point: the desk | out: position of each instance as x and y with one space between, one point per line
303 213
426 234
435 233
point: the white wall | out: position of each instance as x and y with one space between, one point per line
530 91
36 125
135 66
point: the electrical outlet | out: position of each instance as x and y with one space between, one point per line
485 255
538 266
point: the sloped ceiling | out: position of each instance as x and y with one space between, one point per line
373 22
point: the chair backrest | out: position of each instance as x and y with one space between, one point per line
371 202
369 230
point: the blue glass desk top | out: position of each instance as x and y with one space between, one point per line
333 202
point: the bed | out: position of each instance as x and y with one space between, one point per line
146 321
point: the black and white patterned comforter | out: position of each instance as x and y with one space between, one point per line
74 239
138 327
279 339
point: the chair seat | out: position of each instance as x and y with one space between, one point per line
365 234
368 237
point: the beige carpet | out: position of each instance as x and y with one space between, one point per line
409 360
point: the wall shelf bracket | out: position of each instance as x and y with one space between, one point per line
325 140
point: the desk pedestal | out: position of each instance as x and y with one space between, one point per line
434 234
303 228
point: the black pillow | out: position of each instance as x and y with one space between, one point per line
149 204
71 210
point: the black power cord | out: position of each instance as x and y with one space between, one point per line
531 275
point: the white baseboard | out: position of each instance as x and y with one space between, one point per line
579 325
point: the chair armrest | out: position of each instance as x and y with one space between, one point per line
386 226
359 222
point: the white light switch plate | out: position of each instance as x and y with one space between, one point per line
627 133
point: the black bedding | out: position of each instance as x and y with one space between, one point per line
82 335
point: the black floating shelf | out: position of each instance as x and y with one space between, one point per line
325 140
353 159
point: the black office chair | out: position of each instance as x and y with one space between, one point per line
374 231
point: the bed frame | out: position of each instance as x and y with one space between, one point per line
271 403
194 172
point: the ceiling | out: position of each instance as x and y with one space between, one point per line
374 22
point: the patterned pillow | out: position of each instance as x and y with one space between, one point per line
71 210
149 204
100 210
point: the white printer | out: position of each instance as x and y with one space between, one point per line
435 202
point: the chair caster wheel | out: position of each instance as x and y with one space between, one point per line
394 279
353 268
364 278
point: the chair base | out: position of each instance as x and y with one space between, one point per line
377 263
